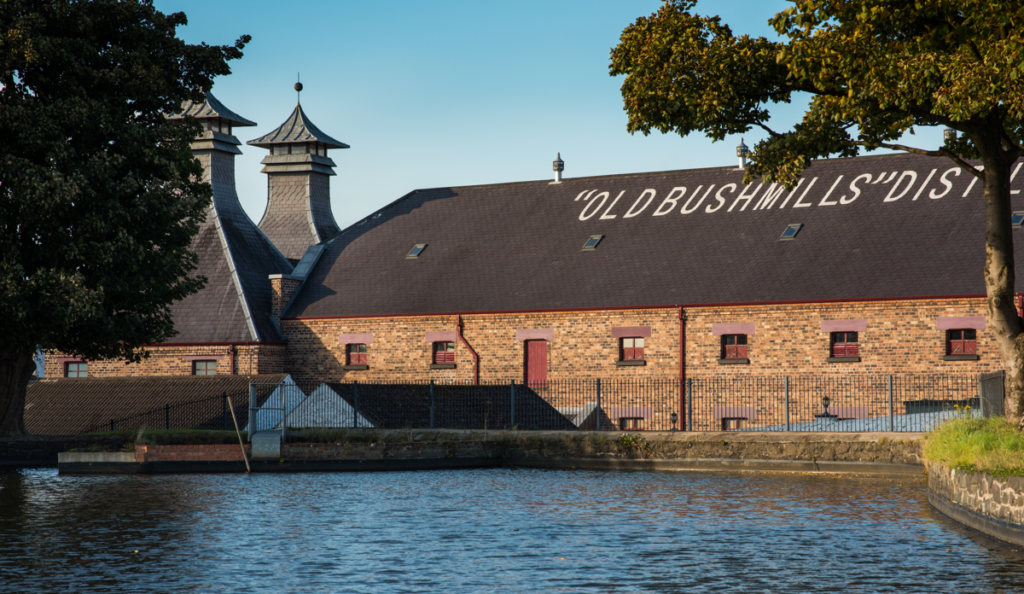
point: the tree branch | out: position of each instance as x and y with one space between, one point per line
771 132
942 152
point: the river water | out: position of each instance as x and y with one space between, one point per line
487 531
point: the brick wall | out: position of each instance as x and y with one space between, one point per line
901 337
190 453
281 291
174 360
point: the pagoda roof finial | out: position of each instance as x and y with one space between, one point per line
297 128
298 87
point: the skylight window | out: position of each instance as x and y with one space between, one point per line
592 242
416 250
1018 218
791 231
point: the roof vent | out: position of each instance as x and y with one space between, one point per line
1018 218
559 166
416 250
742 151
791 231
592 242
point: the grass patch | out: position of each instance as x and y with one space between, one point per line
988 445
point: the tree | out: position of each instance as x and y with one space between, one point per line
874 69
99 193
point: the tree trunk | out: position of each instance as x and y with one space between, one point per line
1004 321
15 370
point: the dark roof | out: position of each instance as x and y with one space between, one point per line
396 406
69 406
519 246
297 128
298 214
237 259
212 108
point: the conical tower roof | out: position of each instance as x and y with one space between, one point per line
212 108
234 255
297 128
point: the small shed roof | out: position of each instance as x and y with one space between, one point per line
297 128
212 108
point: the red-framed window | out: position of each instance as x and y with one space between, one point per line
844 344
733 424
961 342
631 349
76 369
204 368
631 424
734 346
444 352
356 354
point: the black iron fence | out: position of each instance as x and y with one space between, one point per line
565 405
846 402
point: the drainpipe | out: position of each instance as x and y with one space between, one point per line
234 354
476 358
682 370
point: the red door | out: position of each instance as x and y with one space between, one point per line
536 363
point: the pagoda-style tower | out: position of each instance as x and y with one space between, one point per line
299 172
234 256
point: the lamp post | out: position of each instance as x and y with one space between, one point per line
825 401
675 418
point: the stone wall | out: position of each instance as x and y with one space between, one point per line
993 505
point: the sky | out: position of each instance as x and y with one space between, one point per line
451 93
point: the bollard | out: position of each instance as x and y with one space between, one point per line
598 405
431 404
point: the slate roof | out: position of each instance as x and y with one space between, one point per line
517 246
69 406
212 108
297 128
235 257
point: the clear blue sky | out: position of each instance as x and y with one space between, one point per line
450 93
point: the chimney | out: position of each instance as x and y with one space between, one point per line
299 171
558 165
742 151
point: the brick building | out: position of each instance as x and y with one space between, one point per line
870 264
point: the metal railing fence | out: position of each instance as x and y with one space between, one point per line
211 413
833 403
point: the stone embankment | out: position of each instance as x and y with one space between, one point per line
873 453
989 504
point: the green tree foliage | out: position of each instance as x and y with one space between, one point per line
874 70
99 193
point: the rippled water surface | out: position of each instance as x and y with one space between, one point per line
486 531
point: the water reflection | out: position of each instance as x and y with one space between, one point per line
486 530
